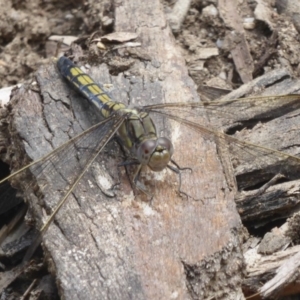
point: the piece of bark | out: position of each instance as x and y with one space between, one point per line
236 39
260 201
274 241
278 272
243 112
293 228
260 83
277 202
125 248
279 134
264 12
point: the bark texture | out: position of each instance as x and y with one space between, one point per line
123 247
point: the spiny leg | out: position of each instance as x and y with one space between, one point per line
134 179
177 169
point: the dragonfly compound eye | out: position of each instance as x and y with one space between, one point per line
155 153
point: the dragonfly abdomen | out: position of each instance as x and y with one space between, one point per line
88 88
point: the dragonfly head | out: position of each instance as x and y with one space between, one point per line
156 153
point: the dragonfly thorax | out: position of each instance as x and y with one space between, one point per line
156 153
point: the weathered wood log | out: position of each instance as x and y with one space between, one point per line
124 247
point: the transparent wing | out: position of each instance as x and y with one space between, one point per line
60 169
247 158
268 180
93 148
222 114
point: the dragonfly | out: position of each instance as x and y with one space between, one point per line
136 132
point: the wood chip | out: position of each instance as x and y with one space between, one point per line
236 40
120 37
205 53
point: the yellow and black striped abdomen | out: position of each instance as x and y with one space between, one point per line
87 87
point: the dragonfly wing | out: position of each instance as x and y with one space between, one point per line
108 129
190 114
57 172
232 113
248 158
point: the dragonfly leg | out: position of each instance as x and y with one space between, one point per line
138 184
135 184
128 163
177 169
180 168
